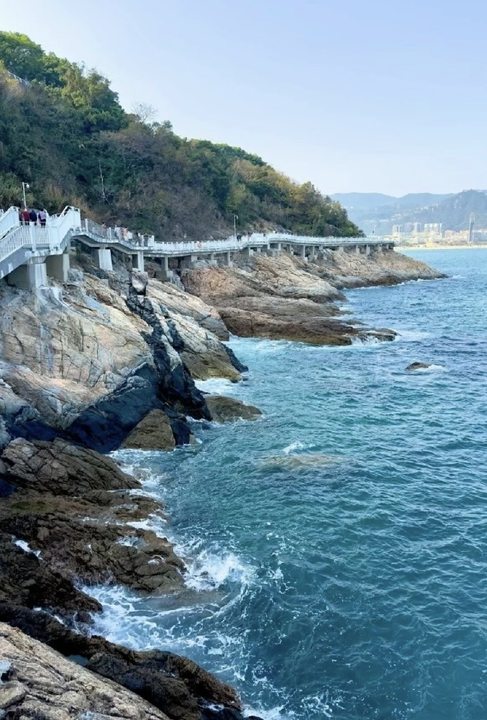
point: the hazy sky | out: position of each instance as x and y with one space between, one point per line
354 95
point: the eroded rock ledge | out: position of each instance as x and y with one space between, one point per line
285 297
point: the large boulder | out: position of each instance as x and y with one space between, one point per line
153 432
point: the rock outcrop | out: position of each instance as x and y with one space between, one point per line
73 516
278 297
388 267
89 362
38 682
176 686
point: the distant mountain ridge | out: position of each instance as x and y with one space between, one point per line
377 212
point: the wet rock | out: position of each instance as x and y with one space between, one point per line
27 580
59 467
418 366
154 432
175 685
45 684
227 409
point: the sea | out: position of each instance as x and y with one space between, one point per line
337 547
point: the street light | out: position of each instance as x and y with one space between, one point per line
235 218
24 187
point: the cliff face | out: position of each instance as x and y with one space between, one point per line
90 363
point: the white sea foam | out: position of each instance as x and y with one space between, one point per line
431 369
210 570
217 386
296 445
23 545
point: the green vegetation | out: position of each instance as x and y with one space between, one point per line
63 131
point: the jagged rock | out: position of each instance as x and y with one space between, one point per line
226 409
27 580
45 684
139 281
90 365
154 432
418 366
284 297
59 467
349 269
81 536
174 684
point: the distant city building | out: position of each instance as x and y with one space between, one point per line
433 228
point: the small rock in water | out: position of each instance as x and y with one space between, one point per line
418 366
296 462
225 409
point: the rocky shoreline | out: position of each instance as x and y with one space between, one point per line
110 360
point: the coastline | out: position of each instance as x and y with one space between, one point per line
25 462
478 246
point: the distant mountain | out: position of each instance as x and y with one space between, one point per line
377 213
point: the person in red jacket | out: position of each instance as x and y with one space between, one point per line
25 215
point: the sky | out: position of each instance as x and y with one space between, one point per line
354 95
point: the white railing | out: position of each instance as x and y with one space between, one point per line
49 239
8 220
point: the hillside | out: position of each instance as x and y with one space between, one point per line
378 213
63 131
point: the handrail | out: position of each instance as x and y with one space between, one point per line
8 220
50 238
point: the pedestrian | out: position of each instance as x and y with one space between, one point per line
33 216
42 217
25 215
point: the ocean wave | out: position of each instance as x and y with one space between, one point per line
296 445
212 568
217 386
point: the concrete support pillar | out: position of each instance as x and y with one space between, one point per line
103 258
303 251
226 258
247 252
165 267
57 267
367 249
357 249
138 261
29 277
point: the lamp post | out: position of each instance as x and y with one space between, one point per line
24 187
235 218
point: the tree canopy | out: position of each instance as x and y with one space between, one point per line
63 130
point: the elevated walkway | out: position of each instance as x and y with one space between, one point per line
29 253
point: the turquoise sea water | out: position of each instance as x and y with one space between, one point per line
338 546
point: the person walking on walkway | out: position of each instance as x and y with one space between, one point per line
42 217
25 216
33 216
